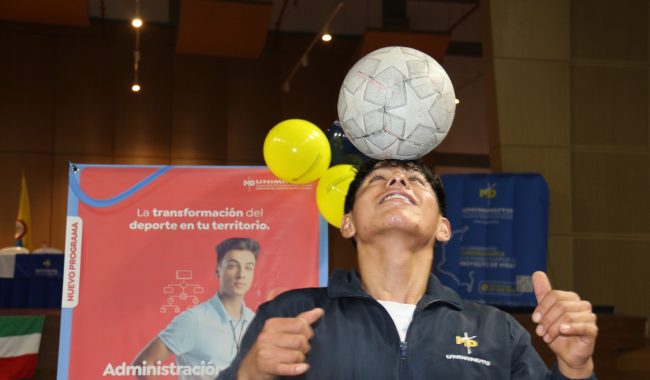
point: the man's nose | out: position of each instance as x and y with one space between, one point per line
398 180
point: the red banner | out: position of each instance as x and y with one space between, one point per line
149 240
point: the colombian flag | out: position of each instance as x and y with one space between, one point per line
20 338
23 233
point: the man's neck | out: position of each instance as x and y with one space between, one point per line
394 272
232 304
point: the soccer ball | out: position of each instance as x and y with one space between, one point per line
396 102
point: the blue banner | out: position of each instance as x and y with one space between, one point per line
499 226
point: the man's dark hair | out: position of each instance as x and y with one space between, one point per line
414 165
241 244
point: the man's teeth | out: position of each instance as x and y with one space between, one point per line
396 196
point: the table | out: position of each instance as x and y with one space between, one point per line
35 282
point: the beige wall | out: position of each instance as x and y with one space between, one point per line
567 89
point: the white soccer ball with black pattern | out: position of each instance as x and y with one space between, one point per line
396 102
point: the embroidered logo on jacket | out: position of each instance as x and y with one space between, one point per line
467 341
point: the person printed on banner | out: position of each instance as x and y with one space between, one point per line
207 337
394 319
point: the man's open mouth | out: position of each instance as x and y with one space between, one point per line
397 196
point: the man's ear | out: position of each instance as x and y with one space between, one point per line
347 227
216 271
444 230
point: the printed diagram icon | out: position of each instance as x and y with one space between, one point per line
183 295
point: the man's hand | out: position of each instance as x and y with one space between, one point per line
567 324
280 348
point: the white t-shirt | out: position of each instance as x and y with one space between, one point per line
402 314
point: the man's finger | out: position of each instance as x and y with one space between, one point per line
284 369
557 310
587 331
285 341
289 326
557 328
281 356
311 316
541 284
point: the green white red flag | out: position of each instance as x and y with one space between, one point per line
20 338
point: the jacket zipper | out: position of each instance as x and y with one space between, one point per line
402 345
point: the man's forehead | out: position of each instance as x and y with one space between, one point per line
410 166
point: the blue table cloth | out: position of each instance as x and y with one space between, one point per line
37 282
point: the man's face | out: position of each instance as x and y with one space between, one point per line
235 273
391 199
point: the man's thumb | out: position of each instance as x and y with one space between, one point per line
311 316
541 284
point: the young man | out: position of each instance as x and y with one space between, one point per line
394 320
210 333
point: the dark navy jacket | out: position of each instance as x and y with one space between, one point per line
357 339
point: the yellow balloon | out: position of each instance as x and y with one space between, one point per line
297 151
331 191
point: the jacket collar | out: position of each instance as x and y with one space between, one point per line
346 284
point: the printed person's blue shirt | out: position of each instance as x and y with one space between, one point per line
205 338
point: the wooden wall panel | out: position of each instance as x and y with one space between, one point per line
467 75
314 89
254 106
149 33
559 259
634 364
614 272
440 170
533 102
137 160
196 162
208 27
26 91
38 172
143 119
85 101
342 252
536 29
609 106
609 30
199 113
57 12
610 192
555 165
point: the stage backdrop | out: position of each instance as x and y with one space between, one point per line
499 226
140 249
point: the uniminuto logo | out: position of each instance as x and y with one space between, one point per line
254 182
467 341
489 192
